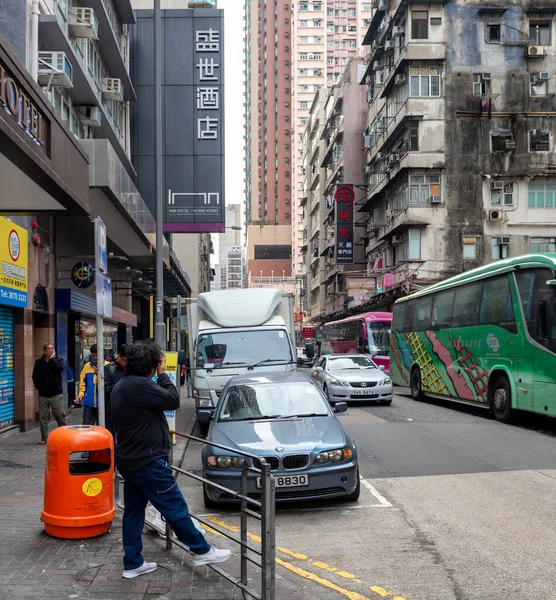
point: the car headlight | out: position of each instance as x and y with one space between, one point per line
387 381
334 455
203 399
334 381
227 462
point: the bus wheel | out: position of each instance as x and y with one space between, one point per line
501 400
415 385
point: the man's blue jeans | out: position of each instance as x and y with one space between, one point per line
155 483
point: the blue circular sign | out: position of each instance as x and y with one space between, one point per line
83 275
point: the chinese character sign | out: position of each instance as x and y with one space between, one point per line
193 118
345 198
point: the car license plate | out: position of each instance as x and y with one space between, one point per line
361 393
284 481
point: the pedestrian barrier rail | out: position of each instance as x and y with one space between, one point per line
262 511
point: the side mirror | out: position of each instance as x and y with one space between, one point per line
340 407
181 357
204 416
381 367
319 370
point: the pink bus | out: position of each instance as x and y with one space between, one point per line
367 333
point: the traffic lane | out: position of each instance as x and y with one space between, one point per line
411 438
487 513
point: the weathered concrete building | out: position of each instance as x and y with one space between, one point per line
333 155
460 137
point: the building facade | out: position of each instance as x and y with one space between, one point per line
268 168
230 274
326 35
64 160
459 145
232 236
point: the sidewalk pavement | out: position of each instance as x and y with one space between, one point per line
34 565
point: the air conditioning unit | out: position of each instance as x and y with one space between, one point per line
486 76
367 170
112 89
495 215
510 144
377 65
90 115
505 240
83 23
535 51
396 240
398 30
544 76
379 77
389 45
379 155
400 79
370 227
437 199
55 69
393 158
497 185
367 141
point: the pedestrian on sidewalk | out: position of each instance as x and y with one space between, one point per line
142 457
113 372
47 378
88 390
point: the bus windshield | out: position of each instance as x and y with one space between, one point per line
378 334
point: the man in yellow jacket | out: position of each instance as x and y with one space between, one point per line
88 391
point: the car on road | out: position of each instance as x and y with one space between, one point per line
284 418
351 377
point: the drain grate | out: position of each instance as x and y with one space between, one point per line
9 464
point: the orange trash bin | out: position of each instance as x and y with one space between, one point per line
78 482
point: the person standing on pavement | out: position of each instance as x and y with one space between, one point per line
113 372
142 457
47 378
88 391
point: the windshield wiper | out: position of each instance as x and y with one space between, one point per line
255 418
282 361
226 364
305 415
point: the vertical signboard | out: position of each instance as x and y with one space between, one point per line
14 245
194 193
7 379
345 199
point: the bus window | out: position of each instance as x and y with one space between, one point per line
532 287
397 319
443 305
496 304
408 317
422 318
466 306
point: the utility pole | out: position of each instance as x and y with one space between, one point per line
159 326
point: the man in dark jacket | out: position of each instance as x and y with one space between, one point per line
113 372
47 378
142 455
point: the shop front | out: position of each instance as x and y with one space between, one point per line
76 332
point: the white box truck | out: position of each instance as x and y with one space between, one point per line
234 332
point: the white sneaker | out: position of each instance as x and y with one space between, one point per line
214 555
142 570
198 526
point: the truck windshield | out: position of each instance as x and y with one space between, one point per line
237 348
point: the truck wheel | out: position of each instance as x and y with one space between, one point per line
415 384
501 400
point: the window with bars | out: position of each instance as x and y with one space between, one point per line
501 193
424 189
539 140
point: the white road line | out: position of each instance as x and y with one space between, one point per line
383 502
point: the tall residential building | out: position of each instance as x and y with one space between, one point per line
230 274
326 34
268 168
460 147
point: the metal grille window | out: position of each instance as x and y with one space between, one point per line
424 81
539 141
501 193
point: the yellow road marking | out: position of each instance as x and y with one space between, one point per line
307 574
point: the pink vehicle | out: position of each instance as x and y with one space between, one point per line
367 333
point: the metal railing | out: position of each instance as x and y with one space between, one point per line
265 558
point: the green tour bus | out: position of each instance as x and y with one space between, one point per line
485 337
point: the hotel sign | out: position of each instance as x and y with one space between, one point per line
16 102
